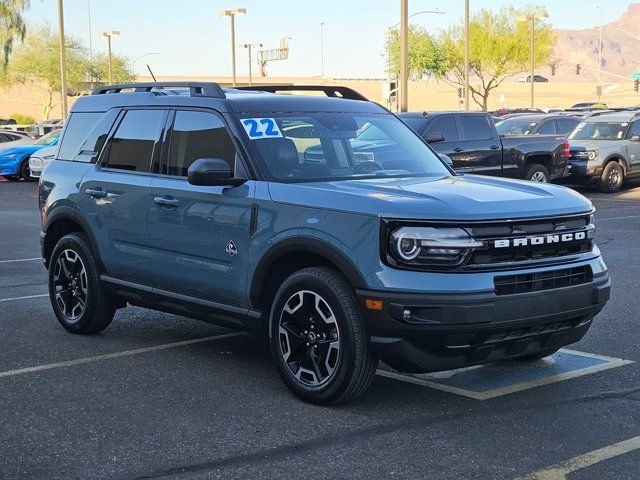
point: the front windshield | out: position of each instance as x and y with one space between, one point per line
48 138
515 126
599 131
337 146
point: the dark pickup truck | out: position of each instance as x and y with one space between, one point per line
471 141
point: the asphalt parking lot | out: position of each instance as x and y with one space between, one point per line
161 396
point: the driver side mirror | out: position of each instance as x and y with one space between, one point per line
211 172
434 138
635 138
447 159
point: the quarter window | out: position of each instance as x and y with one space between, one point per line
78 127
132 146
198 135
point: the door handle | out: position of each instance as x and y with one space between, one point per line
458 149
494 147
96 193
167 202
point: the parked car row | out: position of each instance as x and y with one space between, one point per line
14 159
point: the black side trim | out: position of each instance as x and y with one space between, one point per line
253 222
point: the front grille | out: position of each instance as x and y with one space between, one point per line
485 337
538 246
538 281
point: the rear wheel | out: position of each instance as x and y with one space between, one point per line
612 178
318 338
537 173
79 302
25 171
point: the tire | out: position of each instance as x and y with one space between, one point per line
11 178
538 356
73 281
25 171
537 173
335 348
612 178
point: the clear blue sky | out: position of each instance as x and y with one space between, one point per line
193 40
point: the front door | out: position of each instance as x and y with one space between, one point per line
633 149
446 126
113 194
199 236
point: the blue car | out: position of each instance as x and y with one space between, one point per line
14 162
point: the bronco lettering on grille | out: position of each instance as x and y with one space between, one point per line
539 240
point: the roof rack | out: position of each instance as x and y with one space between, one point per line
196 89
328 90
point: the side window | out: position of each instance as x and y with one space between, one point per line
634 130
546 128
476 127
198 135
446 126
565 126
78 127
132 146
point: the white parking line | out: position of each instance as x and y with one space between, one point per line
110 356
23 298
561 470
21 260
616 218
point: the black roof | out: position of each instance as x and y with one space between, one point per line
538 118
238 100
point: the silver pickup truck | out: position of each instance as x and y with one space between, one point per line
604 151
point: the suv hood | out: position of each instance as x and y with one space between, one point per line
467 197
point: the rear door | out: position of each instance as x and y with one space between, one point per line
113 195
199 235
480 148
633 148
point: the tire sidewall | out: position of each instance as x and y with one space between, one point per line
345 315
75 243
604 181
535 169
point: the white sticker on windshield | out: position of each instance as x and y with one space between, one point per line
258 128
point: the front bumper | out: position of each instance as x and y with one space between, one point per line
421 333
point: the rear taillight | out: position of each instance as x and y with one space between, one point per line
566 153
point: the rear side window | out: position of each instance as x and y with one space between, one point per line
198 135
132 145
476 127
78 127
546 128
446 126
565 126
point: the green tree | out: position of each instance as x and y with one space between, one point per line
12 26
99 69
36 63
499 48
426 55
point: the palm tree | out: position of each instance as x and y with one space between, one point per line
12 26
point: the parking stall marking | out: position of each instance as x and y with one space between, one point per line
493 380
11 299
561 470
21 260
111 356
617 218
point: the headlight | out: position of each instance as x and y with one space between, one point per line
35 162
592 154
431 246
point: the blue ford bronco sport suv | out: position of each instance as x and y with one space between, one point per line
197 200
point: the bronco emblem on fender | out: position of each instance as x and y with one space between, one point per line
231 248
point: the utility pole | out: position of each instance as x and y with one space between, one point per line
63 60
532 19
404 56
249 46
232 14
466 54
322 49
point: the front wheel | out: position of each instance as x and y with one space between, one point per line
25 171
537 173
612 178
79 302
318 338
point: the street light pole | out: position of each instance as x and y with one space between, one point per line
108 36
404 55
63 60
532 18
321 49
249 46
232 14
466 54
